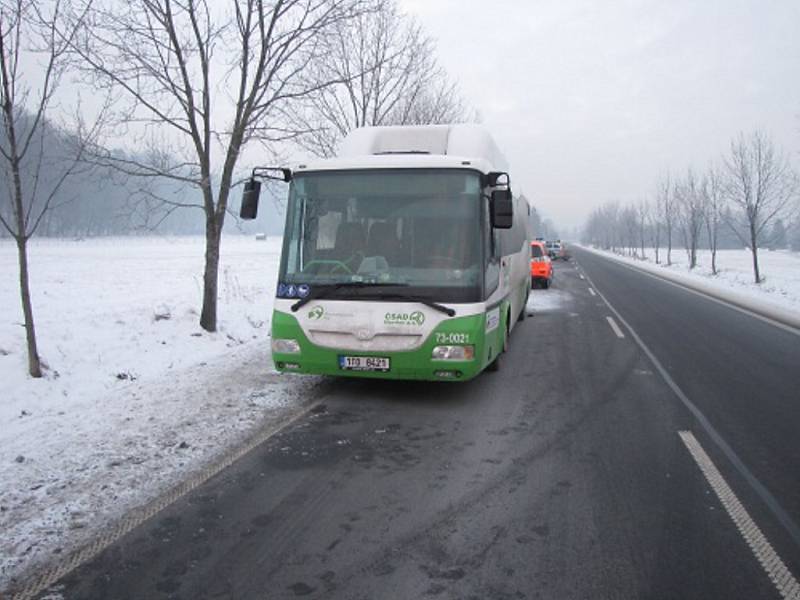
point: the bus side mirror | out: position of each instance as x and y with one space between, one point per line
501 209
249 209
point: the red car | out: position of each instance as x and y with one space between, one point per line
541 266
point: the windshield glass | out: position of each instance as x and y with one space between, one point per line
536 251
420 228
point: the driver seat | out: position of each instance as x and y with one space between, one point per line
383 241
350 242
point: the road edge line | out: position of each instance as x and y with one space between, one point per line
766 496
766 555
775 317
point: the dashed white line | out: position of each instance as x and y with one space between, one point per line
766 496
773 565
615 327
581 276
591 291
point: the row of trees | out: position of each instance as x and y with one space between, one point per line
193 86
539 226
743 200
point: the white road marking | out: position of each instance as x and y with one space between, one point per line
581 276
615 327
745 311
776 569
766 496
591 291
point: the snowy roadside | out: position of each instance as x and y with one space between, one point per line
80 470
136 397
778 295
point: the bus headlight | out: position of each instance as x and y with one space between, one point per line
283 346
453 353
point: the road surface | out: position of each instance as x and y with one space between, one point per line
563 476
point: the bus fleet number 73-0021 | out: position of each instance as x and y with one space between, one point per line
452 338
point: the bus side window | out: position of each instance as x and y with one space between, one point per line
491 253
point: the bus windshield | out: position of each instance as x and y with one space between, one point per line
420 228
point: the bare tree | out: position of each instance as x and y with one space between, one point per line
387 74
714 203
761 186
665 200
197 85
642 220
629 223
437 101
34 182
691 210
654 226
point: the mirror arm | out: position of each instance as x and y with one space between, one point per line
493 177
266 173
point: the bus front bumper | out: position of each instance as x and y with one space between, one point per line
417 364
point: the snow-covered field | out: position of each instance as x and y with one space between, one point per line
780 270
135 395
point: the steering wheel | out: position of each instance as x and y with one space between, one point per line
444 262
335 264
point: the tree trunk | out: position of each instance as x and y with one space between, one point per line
754 250
713 247
669 246
658 243
208 315
34 365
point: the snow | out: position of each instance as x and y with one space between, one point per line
135 395
780 269
549 300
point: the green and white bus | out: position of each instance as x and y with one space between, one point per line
405 257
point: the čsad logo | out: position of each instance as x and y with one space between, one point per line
415 318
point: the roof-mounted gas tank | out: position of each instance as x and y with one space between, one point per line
463 141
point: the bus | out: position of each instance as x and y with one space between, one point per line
406 256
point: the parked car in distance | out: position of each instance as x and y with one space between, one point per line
541 265
555 249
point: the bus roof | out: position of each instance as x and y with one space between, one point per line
416 146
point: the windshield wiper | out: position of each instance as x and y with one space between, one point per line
325 291
421 299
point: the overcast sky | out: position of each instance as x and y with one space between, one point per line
592 100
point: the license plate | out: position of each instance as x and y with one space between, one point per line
363 363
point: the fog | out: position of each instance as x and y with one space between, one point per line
592 101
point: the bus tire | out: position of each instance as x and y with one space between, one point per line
496 364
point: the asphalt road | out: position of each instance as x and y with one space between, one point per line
562 476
